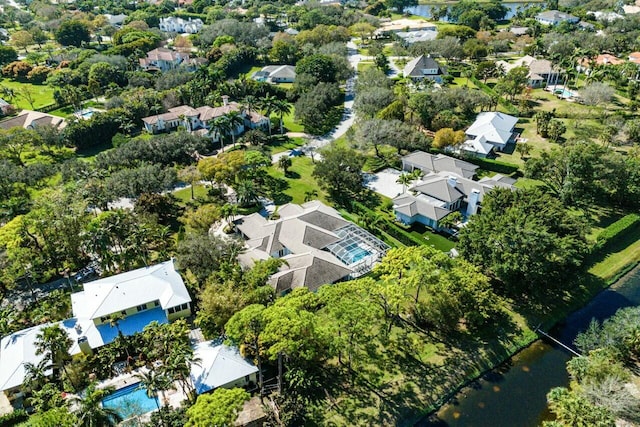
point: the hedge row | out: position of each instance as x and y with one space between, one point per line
493 165
14 418
389 227
616 229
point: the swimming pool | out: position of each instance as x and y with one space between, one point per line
565 93
352 254
130 401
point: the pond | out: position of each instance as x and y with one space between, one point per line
424 10
515 393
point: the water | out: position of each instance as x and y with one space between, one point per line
515 393
424 10
130 401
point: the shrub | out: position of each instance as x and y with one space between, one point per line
17 70
14 418
38 74
616 229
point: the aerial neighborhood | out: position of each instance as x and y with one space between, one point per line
251 213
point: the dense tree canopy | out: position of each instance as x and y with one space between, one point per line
525 238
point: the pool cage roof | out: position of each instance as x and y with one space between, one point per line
352 237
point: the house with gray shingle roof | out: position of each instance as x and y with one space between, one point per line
554 17
439 194
428 163
424 67
319 246
276 74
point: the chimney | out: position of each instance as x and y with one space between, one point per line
473 200
83 343
452 180
225 100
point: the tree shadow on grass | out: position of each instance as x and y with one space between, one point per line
292 175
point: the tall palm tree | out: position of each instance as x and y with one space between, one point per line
282 107
90 411
234 121
154 383
54 342
220 127
405 179
246 193
36 374
178 368
268 104
114 322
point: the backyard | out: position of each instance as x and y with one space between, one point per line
42 95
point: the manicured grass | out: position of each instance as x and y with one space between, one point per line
624 253
299 181
290 123
464 82
42 94
184 194
436 240
363 65
286 145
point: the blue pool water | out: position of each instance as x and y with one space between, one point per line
130 401
565 93
356 254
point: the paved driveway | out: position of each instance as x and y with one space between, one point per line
384 182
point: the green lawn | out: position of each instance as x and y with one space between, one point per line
298 180
184 194
436 240
290 123
280 145
42 94
363 65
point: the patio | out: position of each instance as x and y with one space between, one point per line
385 182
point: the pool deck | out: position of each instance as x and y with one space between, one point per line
172 397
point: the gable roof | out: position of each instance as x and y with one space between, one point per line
415 66
443 185
494 126
280 71
164 54
28 119
310 270
15 350
477 145
555 15
160 282
218 366
440 163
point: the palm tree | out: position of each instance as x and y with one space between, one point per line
250 103
229 211
90 411
284 162
154 383
36 374
310 195
234 121
405 179
282 107
220 127
54 342
268 105
246 193
178 368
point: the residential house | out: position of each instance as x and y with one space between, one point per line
6 108
634 57
439 194
115 20
220 366
174 24
555 17
605 16
424 67
491 130
430 163
29 119
387 28
411 37
276 74
318 245
156 293
163 59
541 71
603 59
201 120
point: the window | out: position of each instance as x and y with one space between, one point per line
156 303
184 306
141 307
123 312
171 310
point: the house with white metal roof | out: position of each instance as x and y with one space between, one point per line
494 128
220 366
150 294
276 74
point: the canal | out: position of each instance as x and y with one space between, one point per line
514 394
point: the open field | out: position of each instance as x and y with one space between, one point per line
298 181
42 94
